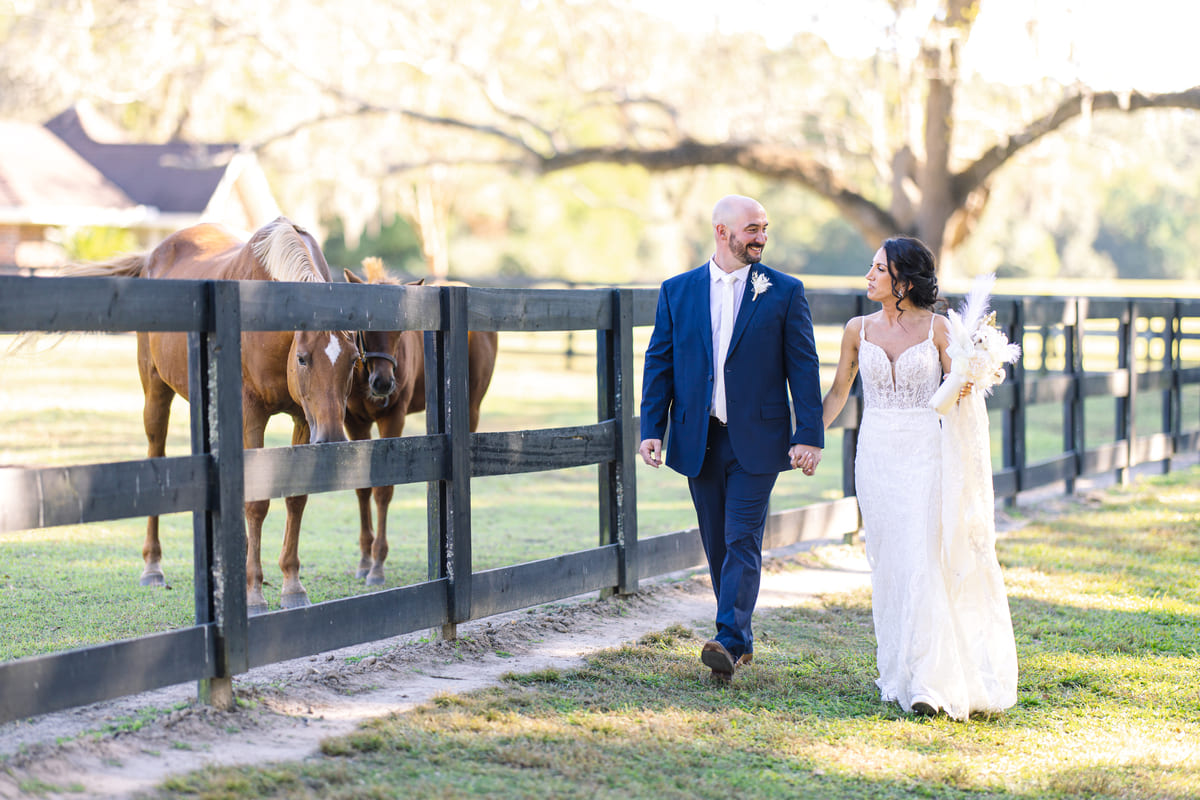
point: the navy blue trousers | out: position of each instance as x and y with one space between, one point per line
731 509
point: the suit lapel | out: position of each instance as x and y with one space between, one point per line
700 290
747 309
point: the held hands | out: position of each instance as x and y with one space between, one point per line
651 452
804 457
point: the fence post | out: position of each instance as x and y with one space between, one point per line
618 488
1173 397
1127 361
1013 426
1073 431
447 412
219 532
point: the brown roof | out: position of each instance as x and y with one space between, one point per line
177 177
38 170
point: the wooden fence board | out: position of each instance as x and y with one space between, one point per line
539 309
49 496
334 624
100 304
532 583
271 306
669 552
85 675
314 468
513 452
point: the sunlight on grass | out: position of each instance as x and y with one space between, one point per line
1109 687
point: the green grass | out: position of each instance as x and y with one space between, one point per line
1107 618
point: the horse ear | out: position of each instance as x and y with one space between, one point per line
351 277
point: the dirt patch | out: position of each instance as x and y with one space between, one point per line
125 746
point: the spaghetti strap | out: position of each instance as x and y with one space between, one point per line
862 328
932 319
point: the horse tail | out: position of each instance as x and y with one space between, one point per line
128 266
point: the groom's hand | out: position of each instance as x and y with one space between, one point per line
651 452
804 457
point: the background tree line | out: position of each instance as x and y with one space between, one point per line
587 140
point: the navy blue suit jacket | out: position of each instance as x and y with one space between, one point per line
772 357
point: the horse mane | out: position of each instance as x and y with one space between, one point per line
375 271
282 251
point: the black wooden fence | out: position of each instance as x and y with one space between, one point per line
218 477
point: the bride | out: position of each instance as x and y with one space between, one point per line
942 625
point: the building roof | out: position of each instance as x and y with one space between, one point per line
39 171
76 170
175 178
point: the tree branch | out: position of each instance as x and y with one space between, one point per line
770 161
982 169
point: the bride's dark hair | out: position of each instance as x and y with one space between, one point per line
913 271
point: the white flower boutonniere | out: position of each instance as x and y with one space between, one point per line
759 283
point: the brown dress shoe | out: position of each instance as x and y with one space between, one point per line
714 656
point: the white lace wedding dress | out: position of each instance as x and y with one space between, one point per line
941 615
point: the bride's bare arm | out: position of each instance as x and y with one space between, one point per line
847 368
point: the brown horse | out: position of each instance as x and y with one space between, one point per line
389 383
303 374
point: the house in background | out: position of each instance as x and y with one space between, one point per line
77 171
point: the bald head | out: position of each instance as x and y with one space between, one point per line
740 230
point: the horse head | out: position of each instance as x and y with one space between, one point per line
320 364
378 350
320 369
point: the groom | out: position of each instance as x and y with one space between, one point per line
731 356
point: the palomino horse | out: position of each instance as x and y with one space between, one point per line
388 384
303 374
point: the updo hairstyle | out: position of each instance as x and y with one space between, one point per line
913 272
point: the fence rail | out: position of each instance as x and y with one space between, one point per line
218 477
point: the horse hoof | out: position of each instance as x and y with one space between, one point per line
375 577
152 579
254 609
361 573
294 600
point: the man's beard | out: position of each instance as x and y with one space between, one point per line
741 251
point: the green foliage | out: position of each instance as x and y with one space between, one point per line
395 242
97 243
1148 228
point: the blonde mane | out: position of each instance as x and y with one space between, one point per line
284 254
375 271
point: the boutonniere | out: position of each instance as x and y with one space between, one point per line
759 283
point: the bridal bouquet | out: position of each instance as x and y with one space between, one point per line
978 349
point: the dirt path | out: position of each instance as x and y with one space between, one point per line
288 708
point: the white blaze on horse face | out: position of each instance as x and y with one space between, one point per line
333 349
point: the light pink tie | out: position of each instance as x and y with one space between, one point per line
724 334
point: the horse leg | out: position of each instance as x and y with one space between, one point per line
256 512
390 427
379 552
254 424
293 595
156 414
358 432
366 534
